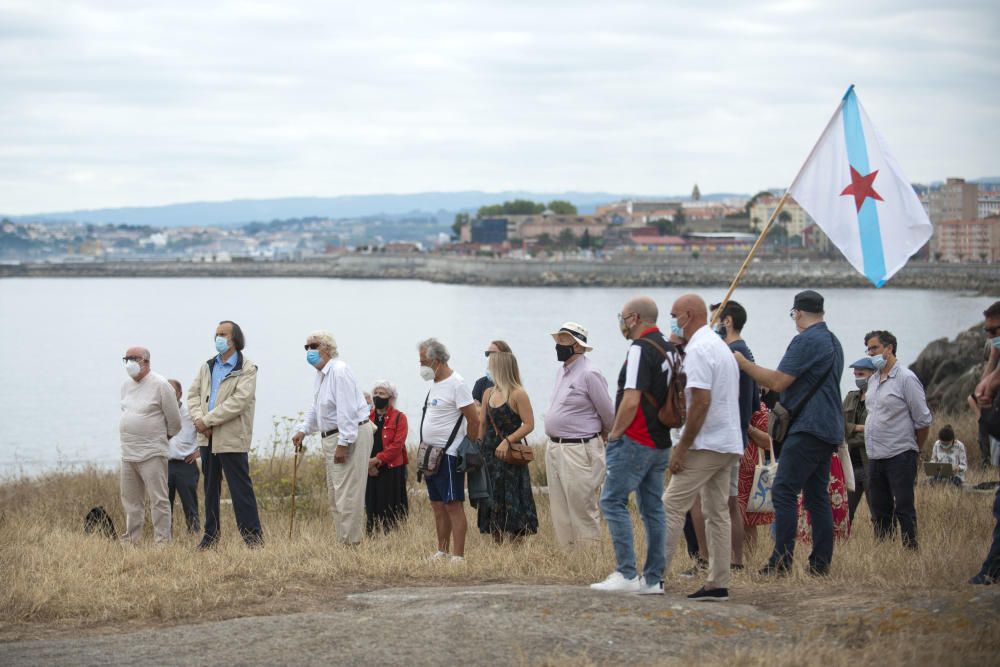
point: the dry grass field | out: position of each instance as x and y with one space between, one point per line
880 603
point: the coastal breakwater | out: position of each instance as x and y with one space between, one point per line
618 272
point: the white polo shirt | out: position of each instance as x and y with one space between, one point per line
710 364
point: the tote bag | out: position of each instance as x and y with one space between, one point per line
760 499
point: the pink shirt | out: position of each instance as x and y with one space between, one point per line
581 405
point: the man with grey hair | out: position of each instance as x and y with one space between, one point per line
449 416
340 414
150 417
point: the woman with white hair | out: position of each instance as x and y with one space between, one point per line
385 498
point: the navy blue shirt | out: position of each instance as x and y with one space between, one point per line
808 359
749 393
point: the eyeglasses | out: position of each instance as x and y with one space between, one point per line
311 346
791 313
991 331
125 360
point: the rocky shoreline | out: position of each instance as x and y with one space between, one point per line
622 272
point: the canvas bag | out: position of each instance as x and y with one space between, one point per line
761 499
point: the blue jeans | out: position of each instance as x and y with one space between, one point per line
991 566
804 466
634 467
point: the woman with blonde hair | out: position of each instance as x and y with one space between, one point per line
506 418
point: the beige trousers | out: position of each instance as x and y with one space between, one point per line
707 472
575 472
346 483
139 480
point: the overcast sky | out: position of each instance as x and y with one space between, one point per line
111 104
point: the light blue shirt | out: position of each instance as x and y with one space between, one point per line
219 371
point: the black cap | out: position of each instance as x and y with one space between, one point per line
808 302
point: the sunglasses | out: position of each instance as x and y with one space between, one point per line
991 331
311 346
487 353
131 358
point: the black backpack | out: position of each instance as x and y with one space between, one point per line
98 522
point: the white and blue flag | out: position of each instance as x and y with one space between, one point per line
853 188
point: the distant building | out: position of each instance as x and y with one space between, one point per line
762 209
488 230
967 240
638 213
989 204
955 200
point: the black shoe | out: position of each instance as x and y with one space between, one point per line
736 568
710 595
982 580
207 544
771 570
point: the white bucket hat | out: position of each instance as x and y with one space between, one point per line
577 331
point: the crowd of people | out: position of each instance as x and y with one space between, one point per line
690 399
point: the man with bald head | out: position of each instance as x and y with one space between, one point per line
638 450
711 441
150 417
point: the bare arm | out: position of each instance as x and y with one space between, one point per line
626 413
775 380
522 405
472 420
760 438
483 407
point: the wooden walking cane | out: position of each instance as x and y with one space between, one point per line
750 256
295 470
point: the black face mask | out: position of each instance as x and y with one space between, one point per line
381 403
564 352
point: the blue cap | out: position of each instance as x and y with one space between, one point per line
864 363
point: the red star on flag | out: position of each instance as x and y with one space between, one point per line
861 187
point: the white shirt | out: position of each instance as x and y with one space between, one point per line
338 400
444 408
184 443
710 364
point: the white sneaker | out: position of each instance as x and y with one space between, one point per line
656 589
438 555
457 559
617 583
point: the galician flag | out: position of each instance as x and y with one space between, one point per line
853 188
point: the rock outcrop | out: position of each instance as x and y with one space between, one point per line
949 370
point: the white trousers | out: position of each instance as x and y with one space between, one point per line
139 480
346 483
575 472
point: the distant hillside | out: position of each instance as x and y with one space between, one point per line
443 204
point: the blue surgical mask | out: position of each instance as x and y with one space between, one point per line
489 376
878 361
312 356
675 328
995 342
221 344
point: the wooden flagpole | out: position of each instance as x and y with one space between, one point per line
750 256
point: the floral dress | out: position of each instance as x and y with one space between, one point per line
838 502
511 511
748 466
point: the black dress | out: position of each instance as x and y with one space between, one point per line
512 510
386 503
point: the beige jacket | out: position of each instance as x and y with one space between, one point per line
232 418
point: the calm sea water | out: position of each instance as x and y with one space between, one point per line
62 340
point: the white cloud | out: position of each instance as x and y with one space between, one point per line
118 103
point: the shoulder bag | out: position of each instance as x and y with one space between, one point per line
781 418
672 411
429 457
518 453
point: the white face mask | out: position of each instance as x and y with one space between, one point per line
133 368
427 373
